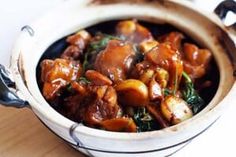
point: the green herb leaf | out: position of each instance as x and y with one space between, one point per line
175 81
101 43
144 120
85 63
191 96
69 88
83 80
167 92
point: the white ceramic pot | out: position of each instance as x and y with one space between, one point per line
207 29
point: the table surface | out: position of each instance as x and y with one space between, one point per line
23 135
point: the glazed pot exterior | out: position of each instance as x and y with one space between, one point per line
73 15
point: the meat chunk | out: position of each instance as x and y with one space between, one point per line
52 90
133 32
78 42
71 106
174 39
102 105
195 55
97 78
79 87
165 57
71 52
196 60
139 69
116 60
56 74
60 69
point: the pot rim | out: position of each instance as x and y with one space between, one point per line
212 114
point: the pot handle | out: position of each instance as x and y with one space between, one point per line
221 11
8 97
223 8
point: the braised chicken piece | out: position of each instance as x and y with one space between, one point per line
196 60
116 60
97 78
72 105
165 57
102 105
57 74
139 69
72 52
174 39
79 87
129 80
78 42
133 32
97 100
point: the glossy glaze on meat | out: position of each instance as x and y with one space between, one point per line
132 77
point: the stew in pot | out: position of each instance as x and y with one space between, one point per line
128 78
